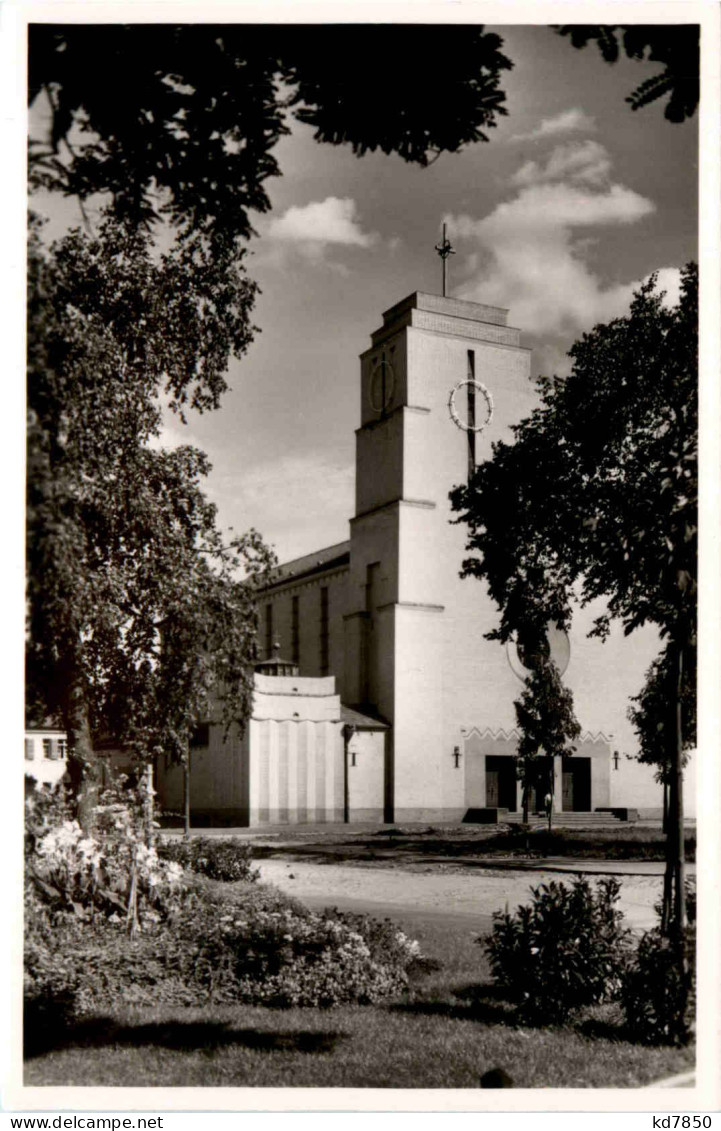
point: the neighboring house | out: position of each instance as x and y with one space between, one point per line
46 751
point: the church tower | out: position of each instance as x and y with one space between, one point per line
442 380
427 701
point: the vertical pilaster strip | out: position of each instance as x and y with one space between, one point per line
248 753
264 768
324 761
311 788
291 730
283 769
301 762
273 793
319 773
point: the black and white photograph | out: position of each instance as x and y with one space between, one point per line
359 592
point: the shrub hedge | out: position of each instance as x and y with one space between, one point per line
110 919
659 989
564 950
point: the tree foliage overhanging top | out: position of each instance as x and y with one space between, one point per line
599 489
674 45
194 111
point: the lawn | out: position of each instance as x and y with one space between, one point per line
399 843
450 1028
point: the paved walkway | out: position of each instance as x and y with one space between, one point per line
431 890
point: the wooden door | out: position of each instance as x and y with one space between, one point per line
567 793
492 789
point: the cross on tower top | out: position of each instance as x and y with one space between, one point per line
445 249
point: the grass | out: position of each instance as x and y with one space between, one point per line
448 1030
406 843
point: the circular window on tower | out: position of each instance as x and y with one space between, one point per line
527 649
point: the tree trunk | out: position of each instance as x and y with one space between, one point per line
679 908
148 794
186 792
673 915
83 767
526 792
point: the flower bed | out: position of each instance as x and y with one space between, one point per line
108 920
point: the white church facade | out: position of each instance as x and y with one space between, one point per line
394 706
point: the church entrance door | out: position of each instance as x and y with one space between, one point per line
492 789
500 783
567 802
577 785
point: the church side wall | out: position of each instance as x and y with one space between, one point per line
219 780
366 776
369 625
309 622
417 729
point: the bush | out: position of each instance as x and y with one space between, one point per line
228 953
658 993
83 891
228 860
52 976
108 919
282 958
565 950
659 990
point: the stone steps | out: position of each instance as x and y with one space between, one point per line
565 820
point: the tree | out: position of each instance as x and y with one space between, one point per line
654 716
547 724
654 720
203 106
135 610
603 482
674 45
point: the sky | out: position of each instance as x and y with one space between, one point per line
572 203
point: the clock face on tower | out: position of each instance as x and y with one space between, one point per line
382 384
470 405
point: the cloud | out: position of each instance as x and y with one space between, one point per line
322 222
584 162
527 255
568 121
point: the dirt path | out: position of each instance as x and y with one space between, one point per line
380 890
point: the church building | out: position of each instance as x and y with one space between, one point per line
384 644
